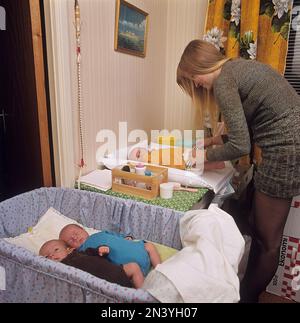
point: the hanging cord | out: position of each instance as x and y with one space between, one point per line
79 89
80 116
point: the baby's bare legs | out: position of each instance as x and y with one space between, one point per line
134 273
153 254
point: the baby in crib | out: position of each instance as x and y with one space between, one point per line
90 262
117 248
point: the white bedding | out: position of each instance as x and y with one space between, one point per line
206 269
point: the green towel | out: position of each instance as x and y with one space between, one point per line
164 251
181 201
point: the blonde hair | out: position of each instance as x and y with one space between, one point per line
200 57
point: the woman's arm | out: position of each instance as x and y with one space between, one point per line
228 99
215 141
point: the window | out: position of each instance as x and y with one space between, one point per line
292 71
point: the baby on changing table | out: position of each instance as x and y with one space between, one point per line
88 261
141 154
117 248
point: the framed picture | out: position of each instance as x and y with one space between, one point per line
131 29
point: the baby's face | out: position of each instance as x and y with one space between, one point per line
74 236
54 250
139 154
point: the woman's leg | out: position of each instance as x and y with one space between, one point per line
268 220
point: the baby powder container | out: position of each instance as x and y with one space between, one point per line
140 169
166 190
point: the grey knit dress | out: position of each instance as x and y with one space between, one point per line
254 98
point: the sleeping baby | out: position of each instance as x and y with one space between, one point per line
135 256
169 157
89 261
173 157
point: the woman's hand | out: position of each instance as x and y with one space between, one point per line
214 165
207 165
212 141
103 250
211 165
208 142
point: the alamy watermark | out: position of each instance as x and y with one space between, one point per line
119 145
2 18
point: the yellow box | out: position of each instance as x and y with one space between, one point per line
166 140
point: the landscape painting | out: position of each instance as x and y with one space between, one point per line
131 29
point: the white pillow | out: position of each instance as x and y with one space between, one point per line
47 228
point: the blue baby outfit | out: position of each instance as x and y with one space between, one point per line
121 251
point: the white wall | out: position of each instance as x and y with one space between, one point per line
186 21
115 86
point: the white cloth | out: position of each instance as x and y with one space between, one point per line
100 179
205 270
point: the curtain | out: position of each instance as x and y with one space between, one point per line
251 29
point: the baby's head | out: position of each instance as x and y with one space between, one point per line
73 235
56 250
138 154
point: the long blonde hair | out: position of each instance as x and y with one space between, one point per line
200 57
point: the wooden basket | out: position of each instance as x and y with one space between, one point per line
143 186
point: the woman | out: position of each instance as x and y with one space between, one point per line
253 98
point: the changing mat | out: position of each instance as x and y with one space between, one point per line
213 179
181 201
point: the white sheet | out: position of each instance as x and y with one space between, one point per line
205 270
214 179
101 179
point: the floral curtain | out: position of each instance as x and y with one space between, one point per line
252 29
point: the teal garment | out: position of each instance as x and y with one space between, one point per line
121 251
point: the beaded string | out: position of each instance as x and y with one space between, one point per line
79 88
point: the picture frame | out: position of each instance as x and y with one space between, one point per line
131 29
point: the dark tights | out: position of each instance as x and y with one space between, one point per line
268 218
